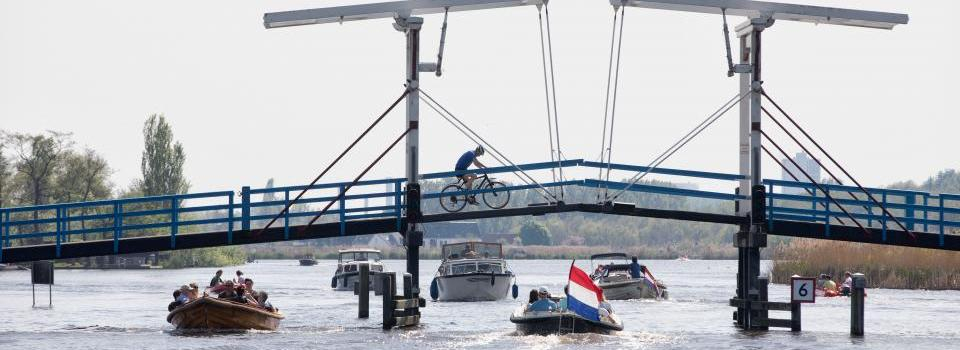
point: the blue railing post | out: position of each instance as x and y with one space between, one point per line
826 196
286 215
245 208
117 225
343 213
910 200
397 195
3 233
6 229
230 218
59 230
926 210
174 219
941 220
770 207
883 219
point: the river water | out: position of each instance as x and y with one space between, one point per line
126 309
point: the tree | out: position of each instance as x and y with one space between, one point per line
163 159
83 177
37 161
534 233
4 176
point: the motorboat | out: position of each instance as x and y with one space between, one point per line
472 271
307 260
348 267
612 274
208 313
562 322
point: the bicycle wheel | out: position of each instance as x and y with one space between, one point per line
498 196
451 199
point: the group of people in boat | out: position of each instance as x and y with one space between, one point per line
238 290
636 270
541 300
826 284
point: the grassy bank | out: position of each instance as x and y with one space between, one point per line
511 252
884 266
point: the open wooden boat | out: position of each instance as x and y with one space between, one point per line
215 314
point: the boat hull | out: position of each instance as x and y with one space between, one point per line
307 262
631 289
213 314
474 287
545 323
345 281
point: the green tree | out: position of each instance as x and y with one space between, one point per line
37 162
163 159
84 177
534 233
4 177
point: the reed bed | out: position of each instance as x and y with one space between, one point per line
884 266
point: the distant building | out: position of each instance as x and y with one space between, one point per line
808 164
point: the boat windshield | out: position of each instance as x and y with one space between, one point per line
359 256
472 250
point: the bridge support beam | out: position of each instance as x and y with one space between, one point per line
412 233
752 236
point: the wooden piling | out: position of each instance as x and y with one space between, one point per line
387 283
364 291
856 304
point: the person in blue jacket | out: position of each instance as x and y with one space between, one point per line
463 163
635 270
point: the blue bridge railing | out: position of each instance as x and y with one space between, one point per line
229 211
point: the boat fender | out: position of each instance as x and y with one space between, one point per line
333 282
516 291
434 289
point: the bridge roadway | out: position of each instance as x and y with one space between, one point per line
388 225
137 225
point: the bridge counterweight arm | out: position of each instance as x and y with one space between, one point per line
391 9
777 11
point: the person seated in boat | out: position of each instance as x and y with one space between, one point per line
262 301
562 304
229 292
176 300
184 296
605 309
847 284
248 285
463 163
216 280
543 303
244 297
828 283
240 278
534 296
635 271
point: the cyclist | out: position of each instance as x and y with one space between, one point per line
469 157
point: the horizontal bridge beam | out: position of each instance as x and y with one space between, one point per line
391 9
855 234
777 11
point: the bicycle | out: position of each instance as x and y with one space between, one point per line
495 194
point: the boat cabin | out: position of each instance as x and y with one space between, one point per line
472 257
349 260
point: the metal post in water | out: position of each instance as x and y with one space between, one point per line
364 289
387 283
856 304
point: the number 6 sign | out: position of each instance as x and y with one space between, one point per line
802 289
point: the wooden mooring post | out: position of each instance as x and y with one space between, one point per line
362 288
400 310
857 294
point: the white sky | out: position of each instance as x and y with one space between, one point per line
249 103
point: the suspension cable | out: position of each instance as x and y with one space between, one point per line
804 148
553 84
355 180
437 107
683 141
606 102
546 91
616 86
815 183
812 193
864 190
286 208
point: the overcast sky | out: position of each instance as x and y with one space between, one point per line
249 103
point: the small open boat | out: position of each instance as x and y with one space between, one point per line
308 260
612 274
561 322
214 314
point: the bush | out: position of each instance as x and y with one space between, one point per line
534 233
205 257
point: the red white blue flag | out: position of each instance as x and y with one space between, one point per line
583 296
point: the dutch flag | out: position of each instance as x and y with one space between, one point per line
583 297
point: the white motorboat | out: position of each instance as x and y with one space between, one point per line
348 267
472 271
561 322
612 274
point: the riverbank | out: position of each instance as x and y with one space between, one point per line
884 266
706 252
